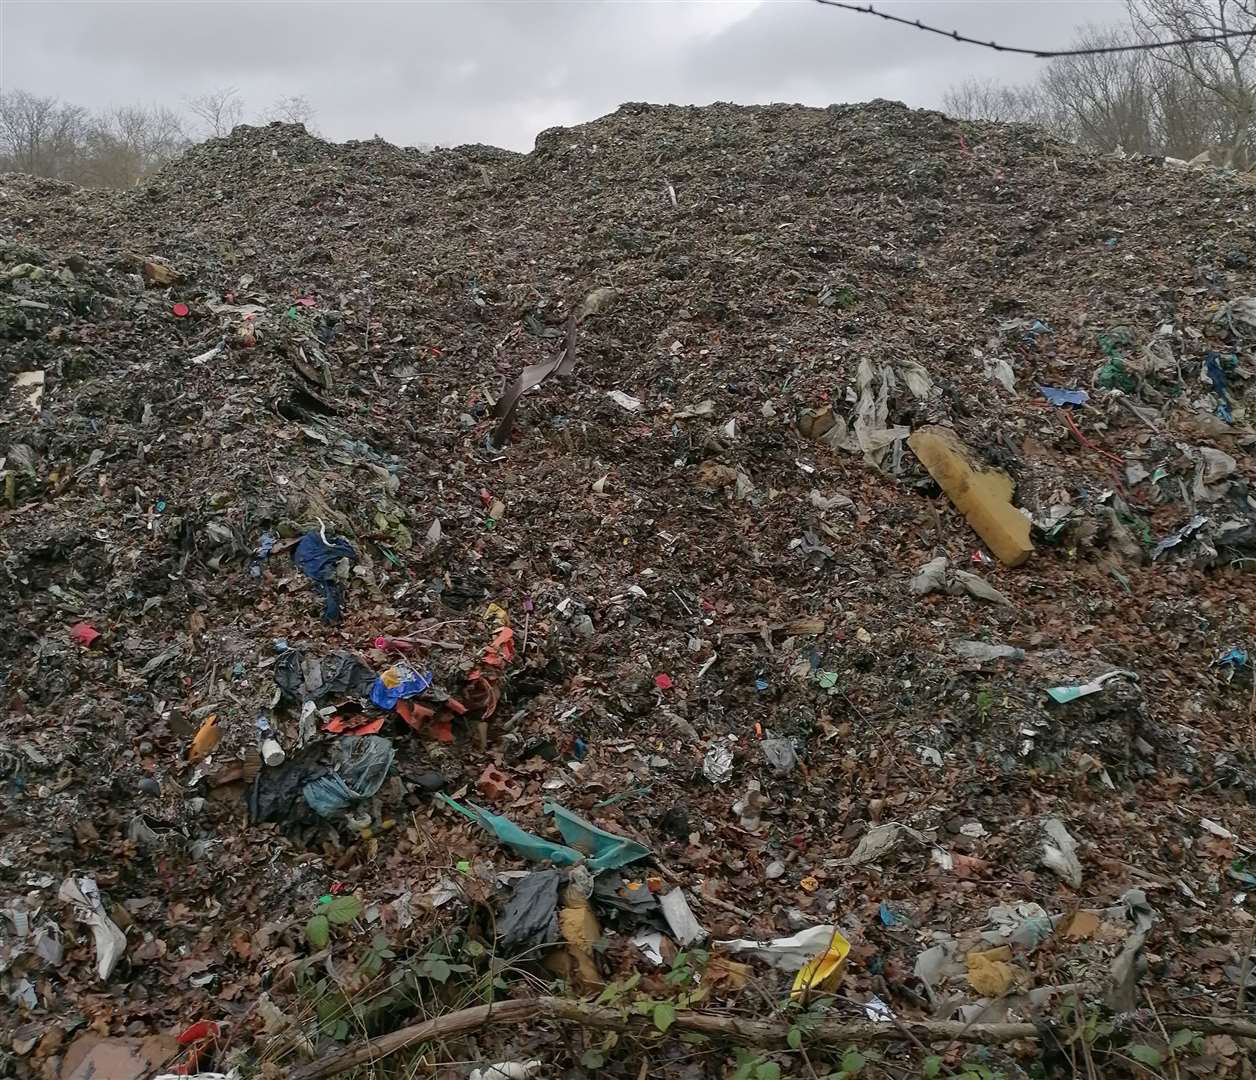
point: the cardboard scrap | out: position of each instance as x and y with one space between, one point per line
990 973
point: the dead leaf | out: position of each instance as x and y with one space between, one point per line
1082 925
206 739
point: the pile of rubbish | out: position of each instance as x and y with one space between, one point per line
727 555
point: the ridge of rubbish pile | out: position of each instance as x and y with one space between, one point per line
835 524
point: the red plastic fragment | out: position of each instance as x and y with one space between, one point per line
84 634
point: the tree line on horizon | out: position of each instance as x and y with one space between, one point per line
1179 102
1176 102
118 147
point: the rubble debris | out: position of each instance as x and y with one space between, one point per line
340 367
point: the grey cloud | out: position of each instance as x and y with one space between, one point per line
499 72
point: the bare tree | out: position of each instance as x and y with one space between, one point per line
128 143
219 110
291 109
1193 98
1105 100
40 135
1225 69
985 99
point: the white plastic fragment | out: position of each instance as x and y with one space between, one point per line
83 894
1216 830
880 840
680 918
507 1070
624 401
786 953
650 942
1059 852
982 651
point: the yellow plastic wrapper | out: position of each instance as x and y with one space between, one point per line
822 972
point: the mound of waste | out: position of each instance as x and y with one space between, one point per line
727 555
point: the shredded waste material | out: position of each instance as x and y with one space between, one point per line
647 551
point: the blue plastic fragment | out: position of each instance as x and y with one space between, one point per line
409 683
889 917
1059 396
1232 658
360 765
264 548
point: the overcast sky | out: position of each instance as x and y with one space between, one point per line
499 72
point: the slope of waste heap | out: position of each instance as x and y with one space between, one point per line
287 600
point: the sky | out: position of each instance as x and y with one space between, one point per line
500 71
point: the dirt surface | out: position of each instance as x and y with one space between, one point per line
684 571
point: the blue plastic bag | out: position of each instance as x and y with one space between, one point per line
406 683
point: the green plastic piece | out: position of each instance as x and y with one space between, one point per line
605 851
600 849
524 843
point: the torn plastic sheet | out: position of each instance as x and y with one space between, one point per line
360 764
880 840
529 919
531 377
650 942
1059 396
601 850
937 575
1059 852
680 918
786 953
872 411
1174 538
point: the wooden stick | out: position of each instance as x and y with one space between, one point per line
757 1033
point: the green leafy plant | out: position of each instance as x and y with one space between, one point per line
332 911
1145 1055
664 1015
755 1067
985 703
687 967
972 1070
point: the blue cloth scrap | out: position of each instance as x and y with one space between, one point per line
317 561
1216 376
1059 396
263 552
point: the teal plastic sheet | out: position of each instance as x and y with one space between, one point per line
596 847
604 851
